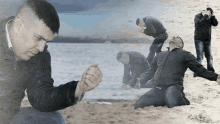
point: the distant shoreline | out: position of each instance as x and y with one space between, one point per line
59 39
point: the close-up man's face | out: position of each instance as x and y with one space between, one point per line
31 38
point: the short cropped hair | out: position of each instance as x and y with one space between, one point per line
44 11
210 9
119 55
137 21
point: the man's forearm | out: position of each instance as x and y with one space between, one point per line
202 21
79 93
47 98
214 21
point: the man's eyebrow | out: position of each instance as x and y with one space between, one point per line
43 38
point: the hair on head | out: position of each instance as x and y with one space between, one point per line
137 21
210 9
44 11
119 55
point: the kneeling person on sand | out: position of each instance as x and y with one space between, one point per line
134 64
167 72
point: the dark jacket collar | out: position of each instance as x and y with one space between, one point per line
3 39
175 49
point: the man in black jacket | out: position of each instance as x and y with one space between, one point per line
202 36
25 64
153 27
167 72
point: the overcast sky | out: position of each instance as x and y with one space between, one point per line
97 18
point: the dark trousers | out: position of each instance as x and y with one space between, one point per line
156 46
204 47
170 96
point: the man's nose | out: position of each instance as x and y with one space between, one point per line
41 45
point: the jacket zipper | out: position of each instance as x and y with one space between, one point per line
164 64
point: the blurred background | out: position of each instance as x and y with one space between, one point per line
113 20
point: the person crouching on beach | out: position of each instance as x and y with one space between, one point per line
167 73
153 27
134 64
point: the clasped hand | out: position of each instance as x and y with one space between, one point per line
91 78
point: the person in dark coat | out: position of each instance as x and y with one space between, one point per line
134 64
167 72
25 65
202 36
153 27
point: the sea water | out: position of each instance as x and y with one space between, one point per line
70 60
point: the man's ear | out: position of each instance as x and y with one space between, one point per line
18 25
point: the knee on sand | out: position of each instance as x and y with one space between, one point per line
29 115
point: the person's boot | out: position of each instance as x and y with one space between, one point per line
211 69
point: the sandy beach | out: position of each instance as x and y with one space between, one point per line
204 95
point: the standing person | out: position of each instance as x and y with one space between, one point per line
202 36
167 72
26 65
153 27
134 64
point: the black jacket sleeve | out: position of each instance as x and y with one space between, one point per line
127 76
43 96
150 30
199 69
214 21
199 21
144 77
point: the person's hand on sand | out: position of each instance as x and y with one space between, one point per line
91 78
126 87
138 84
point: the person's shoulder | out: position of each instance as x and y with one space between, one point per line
151 18
186 53
133 53
163 53
198 15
